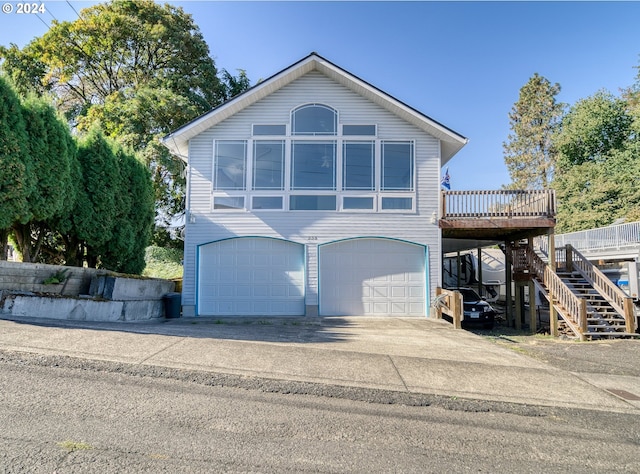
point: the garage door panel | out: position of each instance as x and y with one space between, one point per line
251 276
372 276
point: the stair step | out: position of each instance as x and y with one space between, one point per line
604 326
615 334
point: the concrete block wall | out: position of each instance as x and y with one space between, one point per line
21 276
86 295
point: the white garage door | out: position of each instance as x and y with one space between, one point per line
372 277
251 276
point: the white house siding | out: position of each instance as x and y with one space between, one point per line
312 227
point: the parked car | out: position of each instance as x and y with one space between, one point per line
477 312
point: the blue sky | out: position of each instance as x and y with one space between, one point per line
461 63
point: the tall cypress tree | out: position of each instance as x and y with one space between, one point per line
49 157
96 209
15 176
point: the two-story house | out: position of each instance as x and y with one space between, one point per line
312 193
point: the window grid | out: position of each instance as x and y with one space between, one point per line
359 172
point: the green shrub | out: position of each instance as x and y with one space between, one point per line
163 263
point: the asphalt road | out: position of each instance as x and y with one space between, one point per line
65 415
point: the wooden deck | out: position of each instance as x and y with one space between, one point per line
497 215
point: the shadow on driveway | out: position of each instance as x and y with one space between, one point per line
259 329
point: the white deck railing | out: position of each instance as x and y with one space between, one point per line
498 204
619 236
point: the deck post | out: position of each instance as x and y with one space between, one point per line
582 320
508 284
457 310
568 258
629 316
519 305
438 309
533 308
480 287
553 316
532 292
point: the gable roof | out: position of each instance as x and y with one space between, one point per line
178 140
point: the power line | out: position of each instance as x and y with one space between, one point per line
74 9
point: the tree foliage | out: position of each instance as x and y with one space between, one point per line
15 179
592 128
528 152
137 69
132 225
598 180
596 193
69 204
50 153
114 212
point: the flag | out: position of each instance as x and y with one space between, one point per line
445 182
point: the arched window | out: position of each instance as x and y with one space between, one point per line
314 119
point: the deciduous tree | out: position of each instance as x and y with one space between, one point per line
592 128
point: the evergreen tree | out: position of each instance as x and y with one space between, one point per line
125 251
96 208
534 118
48 147
16 181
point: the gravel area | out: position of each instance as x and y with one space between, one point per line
613 357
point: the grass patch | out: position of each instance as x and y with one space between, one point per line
163 263
75 446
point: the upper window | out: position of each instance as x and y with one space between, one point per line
268 164
269 130
314 119
230 164
369 130
313 165
397 166
357 165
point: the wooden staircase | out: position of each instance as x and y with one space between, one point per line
589 306
603 321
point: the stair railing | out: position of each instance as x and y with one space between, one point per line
622 303
574 306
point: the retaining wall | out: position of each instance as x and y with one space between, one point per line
86 294
19 276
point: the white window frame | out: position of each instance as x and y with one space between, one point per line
413 166
251 163
253 134
343 143
337 159
312 193
373 196
336 121
282 196
359 137
407 195
219 195
247 172
338 140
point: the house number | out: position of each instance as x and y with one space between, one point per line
312 237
